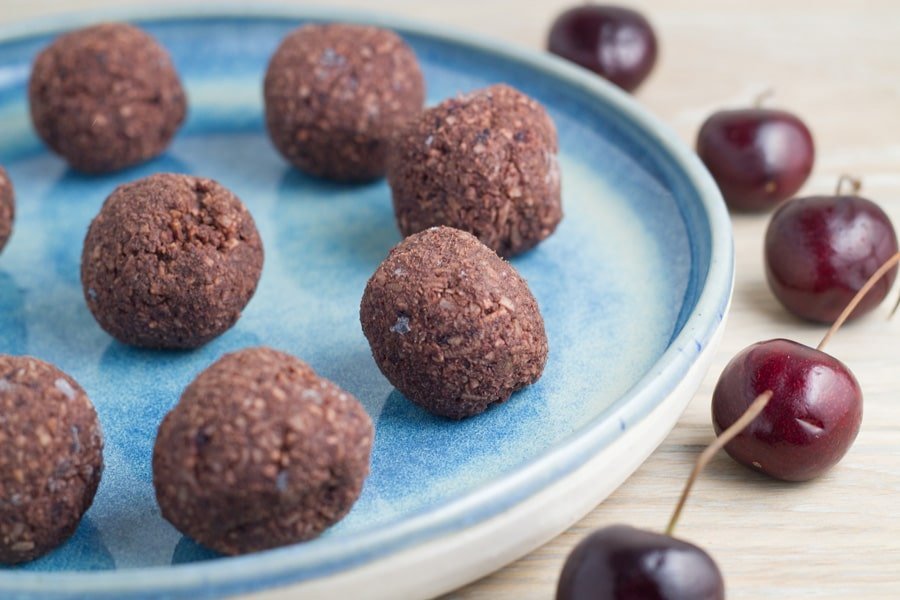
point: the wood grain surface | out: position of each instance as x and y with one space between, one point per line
837 64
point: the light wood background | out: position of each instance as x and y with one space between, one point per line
837 64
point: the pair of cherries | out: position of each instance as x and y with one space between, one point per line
759 157
819 250
780 407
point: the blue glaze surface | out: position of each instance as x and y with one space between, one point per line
618 285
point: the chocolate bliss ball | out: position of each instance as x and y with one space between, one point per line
7 207
259 453
335 94
452 325
170 262
484 163
51 457
106 97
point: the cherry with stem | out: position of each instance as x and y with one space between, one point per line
819 250
816 409
620 562
759 157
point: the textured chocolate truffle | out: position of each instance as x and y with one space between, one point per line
7 207
106 97
170 261
335 94
484 163
452 325
260 452
51 457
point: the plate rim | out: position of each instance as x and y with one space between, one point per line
256 571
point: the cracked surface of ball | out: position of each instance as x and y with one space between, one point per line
451 325
170 261
260 452
106 97
336 93
7 207
485 163
51 457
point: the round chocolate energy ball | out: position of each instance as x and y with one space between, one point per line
170 262
484 163
260 452
335 94
7 207
452 325
51 457
106 97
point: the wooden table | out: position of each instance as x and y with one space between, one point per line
838 65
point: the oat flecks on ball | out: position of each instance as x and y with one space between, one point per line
106 97
485 163
7 207
51 457
452 325
260 452
336 93
170 261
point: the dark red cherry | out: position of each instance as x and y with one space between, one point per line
821 250
624 563
614 42
809 423
759 157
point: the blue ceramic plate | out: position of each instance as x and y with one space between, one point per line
633 286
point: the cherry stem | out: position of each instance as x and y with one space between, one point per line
726 436
878 274
854 182
762 97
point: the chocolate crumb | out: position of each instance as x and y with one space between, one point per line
170 262
106 97
51 457
336 93
284 454
484 163
452 325
7 207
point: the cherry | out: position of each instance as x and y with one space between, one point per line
623 562
820 250
816 407
614 42
759 157
812 420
